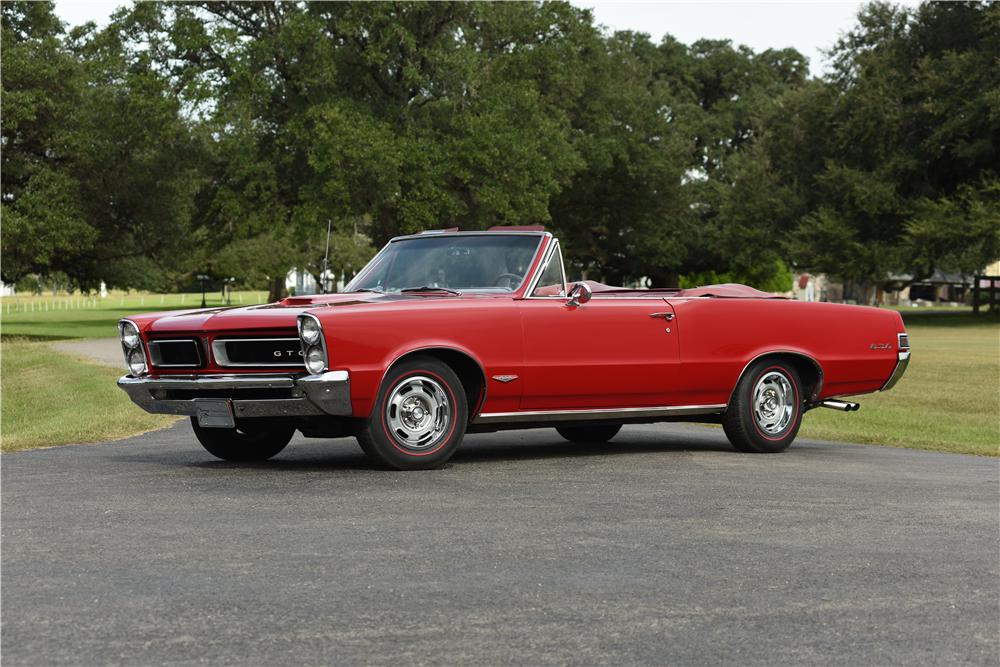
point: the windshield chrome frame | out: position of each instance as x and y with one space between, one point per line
554 249
364 272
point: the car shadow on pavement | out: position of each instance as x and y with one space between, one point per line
177 447
620 446
345 454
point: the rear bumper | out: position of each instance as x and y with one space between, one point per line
901 363
286 395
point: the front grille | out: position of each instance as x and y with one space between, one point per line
258 352
175 353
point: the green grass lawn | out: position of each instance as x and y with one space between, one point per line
62 318
50 398
948 400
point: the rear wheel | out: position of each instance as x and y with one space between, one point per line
766 411
243 444
601 433
419 417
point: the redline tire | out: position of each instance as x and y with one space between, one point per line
419 418
234 444
766 410
601 433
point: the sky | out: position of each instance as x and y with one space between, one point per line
805 25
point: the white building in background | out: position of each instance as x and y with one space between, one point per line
303 283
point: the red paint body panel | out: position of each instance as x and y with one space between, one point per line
719 337
366 340
607 353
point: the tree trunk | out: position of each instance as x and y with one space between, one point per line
278 290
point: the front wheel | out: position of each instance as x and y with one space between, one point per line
419 416
239 444
766 411
601 433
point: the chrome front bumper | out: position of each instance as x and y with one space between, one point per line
310 395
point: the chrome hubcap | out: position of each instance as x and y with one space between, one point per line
773 402
418 413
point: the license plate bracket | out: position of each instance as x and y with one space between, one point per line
215 413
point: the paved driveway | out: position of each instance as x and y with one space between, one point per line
108 351
662 547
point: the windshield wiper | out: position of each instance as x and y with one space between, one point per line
426 288
377 290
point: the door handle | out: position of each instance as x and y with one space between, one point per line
669 317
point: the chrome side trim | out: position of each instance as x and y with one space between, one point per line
902 362
605 413
819 369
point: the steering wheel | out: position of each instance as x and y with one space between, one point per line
513 280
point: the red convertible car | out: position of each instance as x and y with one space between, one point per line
445 333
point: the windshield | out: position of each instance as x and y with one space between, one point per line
482 263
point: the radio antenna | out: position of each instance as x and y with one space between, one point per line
322 278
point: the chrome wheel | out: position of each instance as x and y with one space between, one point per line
773 402
765 409
418 413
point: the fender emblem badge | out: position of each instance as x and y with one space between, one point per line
879 346
505 378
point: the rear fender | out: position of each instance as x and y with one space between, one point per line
810 371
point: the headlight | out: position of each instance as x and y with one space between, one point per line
315 360
129 334
310 331
136 362
313 345
135 358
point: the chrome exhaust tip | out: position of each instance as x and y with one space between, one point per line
843 406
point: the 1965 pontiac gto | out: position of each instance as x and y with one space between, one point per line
445 333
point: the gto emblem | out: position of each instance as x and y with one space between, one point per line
288 353
879 346
505 378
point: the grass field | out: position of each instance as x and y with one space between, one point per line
62 317
949 399
50 398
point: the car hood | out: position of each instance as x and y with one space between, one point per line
279 315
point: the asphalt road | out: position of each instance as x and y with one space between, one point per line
664 546
108 351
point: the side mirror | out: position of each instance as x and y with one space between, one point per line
580 294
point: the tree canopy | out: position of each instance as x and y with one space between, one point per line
225 137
